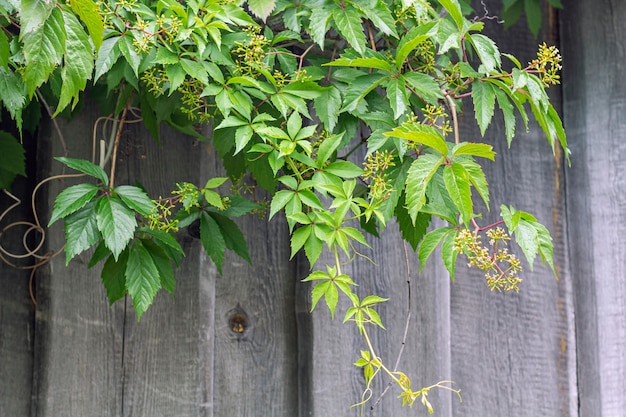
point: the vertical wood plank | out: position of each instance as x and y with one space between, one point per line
184 358
256 348
16 307
168 355
79 340
328 348
514 354
331 346
595 100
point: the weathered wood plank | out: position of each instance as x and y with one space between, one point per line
594 103
16 307
514 354
328 347
79 339
184 358
256 349
168 355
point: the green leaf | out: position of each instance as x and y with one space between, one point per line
397 96
33 15
213 198
378 12
114 276
294 124
454 8
127 49
313 248
261 8
212 240
448 254
99 254
424 86
85 167
233 237
13 94
508 113
142 278
196 70
12 160
456 179
412 233
43 50
359 88
527 238
299 238
78 62
348 23
135 198
89 14
533 15
546 247
81 231
378 61
5 50
319 24
116 223
167 242
477 178
71 200
327 147
425 135
280 200
108 55
483 98
331 296
163 264
487 51
344 169
420 173
317 292
411 40
482 150
430 243
327 107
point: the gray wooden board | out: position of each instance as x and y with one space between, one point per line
594 103
328 348
79 338
255 328
167 361
16 309
514 354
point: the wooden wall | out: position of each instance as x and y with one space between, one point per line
558 348
594 109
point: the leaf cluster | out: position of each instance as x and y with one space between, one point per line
345 112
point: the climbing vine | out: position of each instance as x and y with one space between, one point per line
293 92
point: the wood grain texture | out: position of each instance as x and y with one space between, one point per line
514 354
16 308
79 337
256 369
168 355
594 103
329 347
